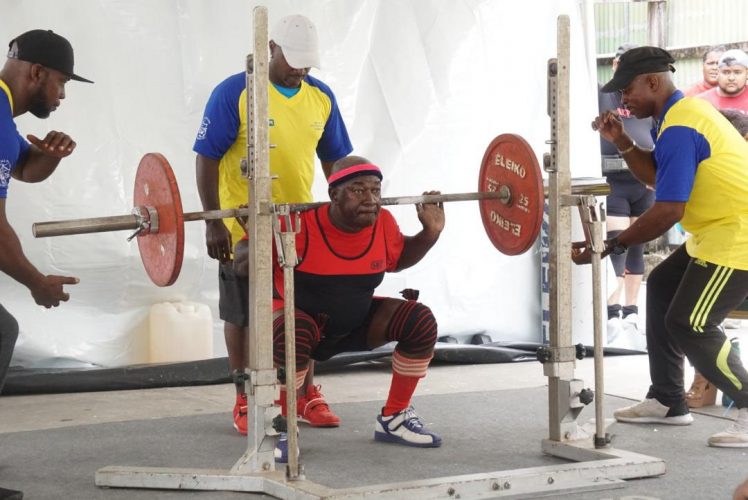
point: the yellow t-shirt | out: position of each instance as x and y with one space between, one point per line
306 122
702 160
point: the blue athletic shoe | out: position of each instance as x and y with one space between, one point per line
405 427
281 449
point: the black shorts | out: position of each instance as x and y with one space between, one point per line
355 341
628 197
233 298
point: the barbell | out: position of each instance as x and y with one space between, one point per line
510 195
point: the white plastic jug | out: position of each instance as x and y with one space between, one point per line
180 331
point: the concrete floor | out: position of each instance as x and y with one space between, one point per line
52 421
60 421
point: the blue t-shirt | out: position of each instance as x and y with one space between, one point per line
12 146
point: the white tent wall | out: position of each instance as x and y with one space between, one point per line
423 86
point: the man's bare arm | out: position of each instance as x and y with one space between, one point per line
46 290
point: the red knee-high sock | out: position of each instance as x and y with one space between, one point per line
300 375
406 372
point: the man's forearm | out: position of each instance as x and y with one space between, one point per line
13 262
652 224
639 160
36 167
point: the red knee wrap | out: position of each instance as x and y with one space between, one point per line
307 338
414 328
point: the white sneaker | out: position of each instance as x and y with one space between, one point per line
651 411
636 338
732 323
631 323
405 427
735 436
615 329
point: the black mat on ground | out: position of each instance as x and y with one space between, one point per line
482 432
215 371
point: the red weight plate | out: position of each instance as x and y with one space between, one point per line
511 226
162 251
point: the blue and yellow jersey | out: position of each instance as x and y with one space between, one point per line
12 146
299 125
702 160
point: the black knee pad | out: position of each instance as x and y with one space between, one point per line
618 261
635 259
307 338
413 326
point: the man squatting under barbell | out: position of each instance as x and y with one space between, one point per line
344 249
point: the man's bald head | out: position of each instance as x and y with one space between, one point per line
348 161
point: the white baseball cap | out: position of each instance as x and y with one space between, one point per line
297 37
733 56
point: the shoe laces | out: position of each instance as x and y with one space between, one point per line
315 398
411 420
314 391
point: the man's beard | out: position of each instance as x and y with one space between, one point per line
732 92
39 106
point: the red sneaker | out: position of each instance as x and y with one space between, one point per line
240 414
313 409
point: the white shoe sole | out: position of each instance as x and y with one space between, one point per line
679 420
743 444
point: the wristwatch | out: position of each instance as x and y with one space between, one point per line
615 247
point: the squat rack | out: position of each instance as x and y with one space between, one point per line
596 465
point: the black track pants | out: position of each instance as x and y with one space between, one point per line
687 300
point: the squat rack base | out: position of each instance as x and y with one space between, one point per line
596 470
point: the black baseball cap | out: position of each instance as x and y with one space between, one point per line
639 61
47 48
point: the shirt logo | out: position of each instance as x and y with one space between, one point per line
271 122
318 125
376 265
203 131
5 169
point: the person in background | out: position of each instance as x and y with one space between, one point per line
304 119
33 79
628 199
710 60
738 120
730 91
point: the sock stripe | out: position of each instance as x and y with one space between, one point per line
410 367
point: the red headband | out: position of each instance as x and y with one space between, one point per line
348 173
